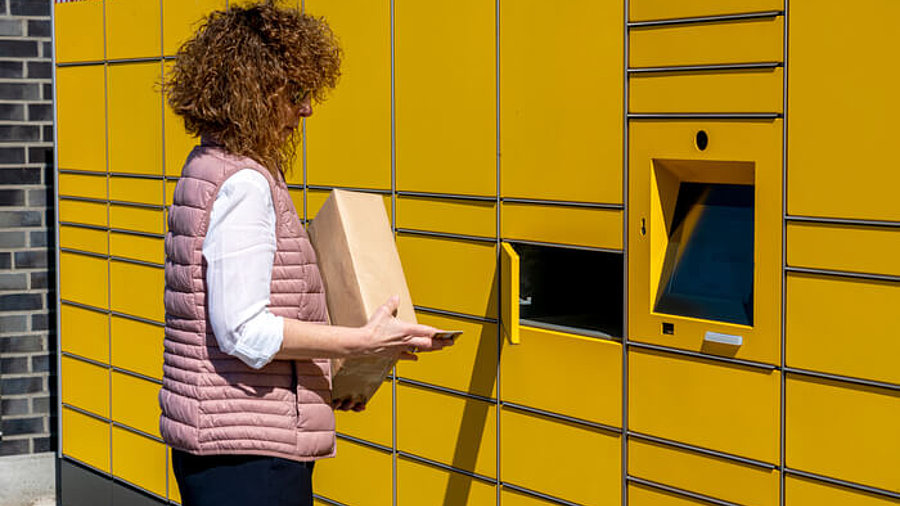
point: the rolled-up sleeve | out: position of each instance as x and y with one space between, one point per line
239 249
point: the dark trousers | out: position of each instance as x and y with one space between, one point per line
242 480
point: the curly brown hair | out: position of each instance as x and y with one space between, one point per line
231 79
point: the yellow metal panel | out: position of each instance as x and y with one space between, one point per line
181 18
576 360
170 192
561 137
855 177
83 279
871 250
297 198
448 215
826 316
639 495
578 226
135 118
711 476
750 41
646 10
509 497
83 185
371 471
178 143
446 428
85 439
140 190
655 145
133 29
799 491
843 431
375 424
81 116
85 386
79 31
174 492
467 366
84 239
419 484
147 249
139 219
718 406
137 290
87 213
446 126
714 92
590 473
137 346
139 460
510 269
135 404
84 333
450 274
349 135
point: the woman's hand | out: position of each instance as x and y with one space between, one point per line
385 334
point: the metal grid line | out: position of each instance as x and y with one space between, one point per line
539 495
843 483
842 221
782 404
703 451
446 390
446 235
595 249
843 379
560 417
711 68
843 274
705 19
705 356
678 491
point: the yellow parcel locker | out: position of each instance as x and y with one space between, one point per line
81 116
181 18
819 414
450 429
79 31
133 29
799 491
561 224
711 476
470 365
83 279
92 186
138 190
449 274
651 10
705 227
855 176
711 405
748 41
720 91
563 459
135 118
511 497
452 216
419 484
137 290
375 423
84 213
85 439
150 220
85 386
139 460
576 361
843 326
84 239
640 495
348 139
863 249
84 332
371 470
135 404
446 125
137 247
137 346
574 153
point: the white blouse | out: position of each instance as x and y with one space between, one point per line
239 249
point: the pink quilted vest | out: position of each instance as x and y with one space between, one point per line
213 403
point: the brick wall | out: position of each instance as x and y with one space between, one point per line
27 363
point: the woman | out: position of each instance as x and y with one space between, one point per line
246 397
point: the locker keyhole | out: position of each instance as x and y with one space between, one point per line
702 140
643 226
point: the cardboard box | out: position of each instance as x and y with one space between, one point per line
361 269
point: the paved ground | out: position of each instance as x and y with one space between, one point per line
28 480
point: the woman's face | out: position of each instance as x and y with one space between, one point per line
294 108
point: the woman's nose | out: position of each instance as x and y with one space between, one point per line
305 109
